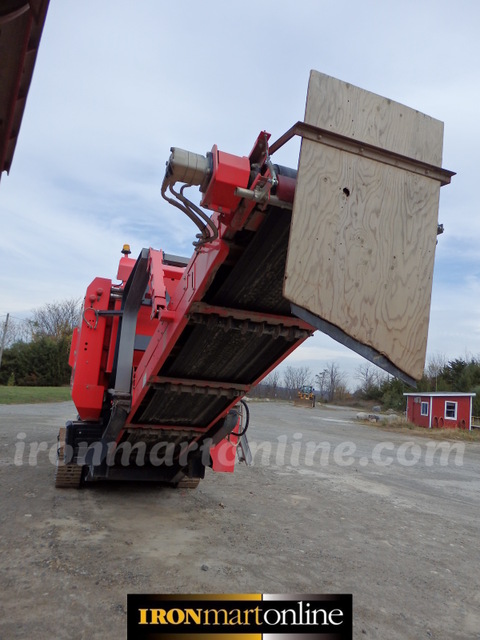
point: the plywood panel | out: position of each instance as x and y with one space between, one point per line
343 108
362 240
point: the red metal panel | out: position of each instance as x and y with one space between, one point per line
125 267
73 347
229 172
243 214
87 376
162 281
224 454
194 282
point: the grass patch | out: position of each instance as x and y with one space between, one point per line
33 395
402 426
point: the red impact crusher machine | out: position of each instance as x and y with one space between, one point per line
161 359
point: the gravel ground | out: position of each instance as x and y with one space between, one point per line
377 514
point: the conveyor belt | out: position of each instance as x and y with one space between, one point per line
256 280
226 350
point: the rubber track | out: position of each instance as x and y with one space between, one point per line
67 476
188 483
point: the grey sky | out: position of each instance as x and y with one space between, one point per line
118 83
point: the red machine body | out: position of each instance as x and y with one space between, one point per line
162 360
229 172
163 357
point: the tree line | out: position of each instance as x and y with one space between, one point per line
455 375
36 350
36 354
373 385
330 384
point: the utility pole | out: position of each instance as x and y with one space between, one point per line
4 335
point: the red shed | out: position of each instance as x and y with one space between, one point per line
440 409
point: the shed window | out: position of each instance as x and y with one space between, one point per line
451 410
424 409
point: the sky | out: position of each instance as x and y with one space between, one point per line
116 84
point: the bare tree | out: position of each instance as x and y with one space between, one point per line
321 382
334 380
55 319
296 377
341 392
16 331
369 377
271 383
435 365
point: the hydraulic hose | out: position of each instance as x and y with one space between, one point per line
247 420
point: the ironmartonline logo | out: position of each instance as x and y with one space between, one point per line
297 614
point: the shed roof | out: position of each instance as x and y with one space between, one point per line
446 394
21 25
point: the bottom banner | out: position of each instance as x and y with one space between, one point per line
239 616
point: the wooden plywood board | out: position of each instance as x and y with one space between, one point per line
343 108
363 234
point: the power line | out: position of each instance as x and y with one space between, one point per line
4 335
4 315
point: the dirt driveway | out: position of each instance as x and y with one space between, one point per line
330 506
